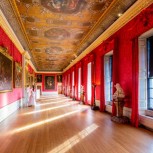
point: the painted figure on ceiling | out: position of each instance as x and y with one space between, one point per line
63 6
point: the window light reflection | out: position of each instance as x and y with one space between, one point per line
43 98
52 99
46 121
49 103
64 147
47 109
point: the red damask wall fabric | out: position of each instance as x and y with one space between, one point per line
135 76
7 43
30 69
125 61
10 97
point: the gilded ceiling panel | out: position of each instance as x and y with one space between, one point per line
59 30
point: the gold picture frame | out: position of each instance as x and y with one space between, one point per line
6 71
17 75
49 82
27 78
31 79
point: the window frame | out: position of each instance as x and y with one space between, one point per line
108 64
148 73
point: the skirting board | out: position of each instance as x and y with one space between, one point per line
50 93
9 109
126 111
108 108
146 121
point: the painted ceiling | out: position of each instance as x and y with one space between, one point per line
57 31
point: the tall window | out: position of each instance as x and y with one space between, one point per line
73 84
89 83
68 87
150 72
108 65
79 82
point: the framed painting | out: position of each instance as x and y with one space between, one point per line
50 82
59 78
39 78
17 76
6 71
26 77
32 79
29 79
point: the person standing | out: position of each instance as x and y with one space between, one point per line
32 97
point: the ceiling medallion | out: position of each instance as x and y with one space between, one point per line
54 50
64 6
57 33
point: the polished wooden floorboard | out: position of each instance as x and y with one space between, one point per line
58 124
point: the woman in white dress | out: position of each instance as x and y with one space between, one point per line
32 97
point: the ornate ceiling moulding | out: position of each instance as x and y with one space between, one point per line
7 28
13 16
38 50
51 59
132 12
50 72
18 17
9 14
106 6
58 22
65 24
57 34
54 50
30 19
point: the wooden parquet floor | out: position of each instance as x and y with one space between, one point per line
56 124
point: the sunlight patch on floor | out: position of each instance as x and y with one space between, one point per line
68 144
52 108
48 120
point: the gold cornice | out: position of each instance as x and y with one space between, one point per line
52 72
132 12
10 33
17 14
27 55
96 25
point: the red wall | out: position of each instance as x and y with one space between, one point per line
16 94
121 44
30 70
43 81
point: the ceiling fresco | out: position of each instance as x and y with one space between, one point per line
57 31
64 6
57 34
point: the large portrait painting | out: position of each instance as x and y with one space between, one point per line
49 82
6 71
39 78
64 6
18 76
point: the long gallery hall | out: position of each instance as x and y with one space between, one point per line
76 76
57 124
